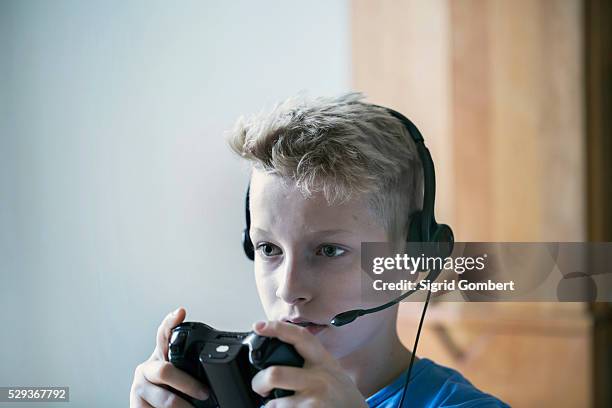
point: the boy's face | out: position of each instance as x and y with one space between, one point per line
307 261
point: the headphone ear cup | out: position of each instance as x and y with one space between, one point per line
445 240
247 245
441 234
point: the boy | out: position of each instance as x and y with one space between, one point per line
328 174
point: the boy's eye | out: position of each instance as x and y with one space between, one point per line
267 249
330 251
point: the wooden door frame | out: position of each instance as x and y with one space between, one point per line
598 97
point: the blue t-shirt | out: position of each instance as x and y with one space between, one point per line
433 385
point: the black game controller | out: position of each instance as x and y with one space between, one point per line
227 362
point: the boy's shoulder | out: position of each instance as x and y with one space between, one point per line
433 385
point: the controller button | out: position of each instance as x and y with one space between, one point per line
217 356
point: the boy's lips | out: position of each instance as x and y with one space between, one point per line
312 327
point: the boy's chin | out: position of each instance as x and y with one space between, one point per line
334 345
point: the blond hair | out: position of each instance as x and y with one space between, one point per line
341 147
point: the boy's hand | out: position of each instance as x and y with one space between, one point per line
320 383
153 375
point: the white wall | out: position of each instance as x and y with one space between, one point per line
119 199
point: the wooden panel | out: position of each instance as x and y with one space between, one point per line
497 89
537 127
518 120
562 138
472 122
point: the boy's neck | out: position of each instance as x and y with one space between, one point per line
377 364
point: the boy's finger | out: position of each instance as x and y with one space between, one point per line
283 377
163 332
307 345
157 396
164 373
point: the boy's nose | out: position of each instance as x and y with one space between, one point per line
292 287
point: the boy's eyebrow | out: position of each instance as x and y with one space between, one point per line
320 232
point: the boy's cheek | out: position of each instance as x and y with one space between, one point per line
267 295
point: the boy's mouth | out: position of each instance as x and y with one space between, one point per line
313 328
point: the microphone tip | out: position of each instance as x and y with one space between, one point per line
345 318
